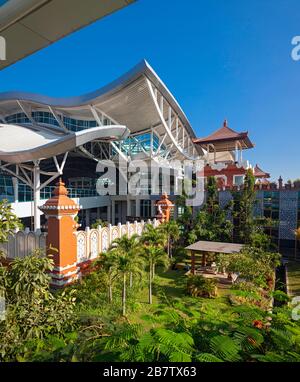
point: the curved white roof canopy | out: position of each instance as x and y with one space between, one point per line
133 100
31 25
20 144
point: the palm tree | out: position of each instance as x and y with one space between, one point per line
153 236
128 245
107 262
126 265
154 255
172 232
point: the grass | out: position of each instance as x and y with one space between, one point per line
293 271
169 290
169 295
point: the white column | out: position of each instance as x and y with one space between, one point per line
36 196
16 189
128 206
236 152
137 207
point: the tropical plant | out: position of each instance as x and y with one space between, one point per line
243 204
8 221
129 246
199 286
252 264
99 222
32 311
153 236
106 264
124 266
153 256
172 232
211 223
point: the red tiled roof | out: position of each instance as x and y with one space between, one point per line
225 134
259 173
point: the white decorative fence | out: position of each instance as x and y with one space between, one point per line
91 242
23 243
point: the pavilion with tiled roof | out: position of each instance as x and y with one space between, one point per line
259 173
225 139
224 156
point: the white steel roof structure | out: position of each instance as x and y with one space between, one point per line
26 143
30 25
34 127
138 100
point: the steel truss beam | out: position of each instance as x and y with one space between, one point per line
159 103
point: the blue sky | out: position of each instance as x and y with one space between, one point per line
220 58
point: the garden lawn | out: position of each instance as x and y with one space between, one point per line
293 274
169 289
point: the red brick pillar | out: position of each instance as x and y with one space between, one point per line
61 243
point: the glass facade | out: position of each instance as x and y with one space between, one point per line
140 143
47 118
145 209
6 188
17 118
77 124
25 192
44 117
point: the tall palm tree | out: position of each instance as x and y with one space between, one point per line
153 236
153 256
107 262
126 265
130 246
172 232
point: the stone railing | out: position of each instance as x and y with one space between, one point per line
23 243
91 242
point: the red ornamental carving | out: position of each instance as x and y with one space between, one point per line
164 206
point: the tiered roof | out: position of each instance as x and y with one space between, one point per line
225 139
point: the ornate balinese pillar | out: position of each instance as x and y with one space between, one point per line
164 206
61 242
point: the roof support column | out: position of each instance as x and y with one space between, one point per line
15 181
36 195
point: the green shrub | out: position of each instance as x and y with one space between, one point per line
199 286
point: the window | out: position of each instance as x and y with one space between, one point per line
145 209
47 118
17 118
139 143
238 180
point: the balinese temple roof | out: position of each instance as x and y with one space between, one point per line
259 173
225 139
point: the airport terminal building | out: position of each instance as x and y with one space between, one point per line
134 118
